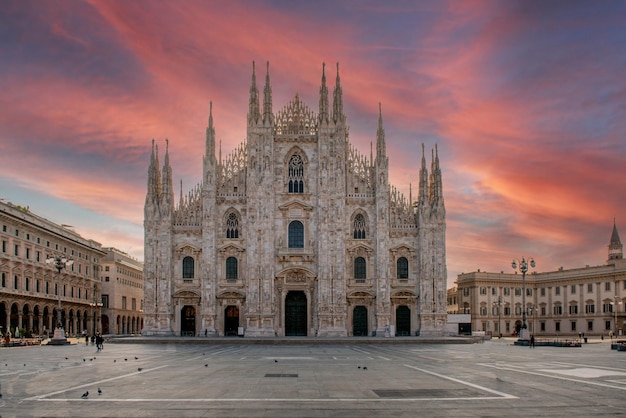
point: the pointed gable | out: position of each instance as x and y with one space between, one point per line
296 119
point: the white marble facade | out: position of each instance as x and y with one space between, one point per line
295 233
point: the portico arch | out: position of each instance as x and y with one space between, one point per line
295 289
231 303
405 319
187 303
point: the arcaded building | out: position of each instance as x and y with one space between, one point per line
295 233
587 300
31 288
121 293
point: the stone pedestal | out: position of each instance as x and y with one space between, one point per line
524 334
59 337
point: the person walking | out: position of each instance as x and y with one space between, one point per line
532 341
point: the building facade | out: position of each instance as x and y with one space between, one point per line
294 233
588 300
120 295
30 287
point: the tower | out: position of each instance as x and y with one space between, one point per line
616 251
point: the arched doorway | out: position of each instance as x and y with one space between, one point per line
403 321
188 321
36 320
14 318
3 318
231 320
359 321
295 314
46 320
105 325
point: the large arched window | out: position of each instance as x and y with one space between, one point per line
359 227
232 225
188 267
231 268
402 267
296 174
296 234
360 272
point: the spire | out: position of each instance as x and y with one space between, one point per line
432 185
423 186
616 251
615 235
323 98
253 111
380 136
167 195
436 186
268 116
338 100
210 136
180 205
154 176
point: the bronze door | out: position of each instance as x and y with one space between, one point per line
188 321
359 321
403 321
295 314
231 320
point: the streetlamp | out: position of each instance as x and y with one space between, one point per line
499 305
97 309
59 262
535 309
615 308
523 267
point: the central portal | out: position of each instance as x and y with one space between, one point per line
188 321
295 314
231 320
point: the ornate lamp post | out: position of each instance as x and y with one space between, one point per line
97 305
59 262
615 308
499 305
523 268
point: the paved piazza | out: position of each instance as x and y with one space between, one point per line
345 379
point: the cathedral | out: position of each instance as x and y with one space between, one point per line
295 233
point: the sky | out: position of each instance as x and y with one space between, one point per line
525 100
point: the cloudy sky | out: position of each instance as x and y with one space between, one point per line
526 101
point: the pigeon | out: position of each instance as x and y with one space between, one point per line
275 361
65 358
364 368
206 365
84 360
358 367
125 359
114 361
139 369
136 358
85 395
99 391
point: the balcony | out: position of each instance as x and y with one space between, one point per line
294 255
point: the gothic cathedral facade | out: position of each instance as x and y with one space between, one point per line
295 234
